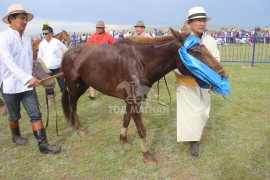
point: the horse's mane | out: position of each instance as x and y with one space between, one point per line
57 34
63 31
147 40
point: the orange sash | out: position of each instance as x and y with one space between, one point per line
186 80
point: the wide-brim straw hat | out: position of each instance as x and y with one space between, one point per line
140 24
14 9
100 24
196 13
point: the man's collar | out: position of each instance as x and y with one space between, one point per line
203 34
14 31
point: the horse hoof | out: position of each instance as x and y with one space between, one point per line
81 133
80 129
91 97
127 145
149 160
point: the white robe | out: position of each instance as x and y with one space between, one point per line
193 107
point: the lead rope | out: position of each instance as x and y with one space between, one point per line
167 90
48 113
56 116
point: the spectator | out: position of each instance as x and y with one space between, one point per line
83 37
50 52
140 30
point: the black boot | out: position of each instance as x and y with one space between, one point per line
41 137
194 148
16 135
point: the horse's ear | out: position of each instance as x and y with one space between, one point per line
175 34
185 28
181 37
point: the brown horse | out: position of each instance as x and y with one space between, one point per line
59 36
123 70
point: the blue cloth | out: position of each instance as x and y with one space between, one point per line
221 85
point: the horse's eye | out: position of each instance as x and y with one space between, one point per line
194 52
197 52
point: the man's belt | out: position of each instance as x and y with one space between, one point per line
186 80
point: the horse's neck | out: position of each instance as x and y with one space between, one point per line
162 63
58 36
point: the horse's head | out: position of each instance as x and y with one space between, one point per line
35 45
65 36
200 52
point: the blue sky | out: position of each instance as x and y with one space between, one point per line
81 15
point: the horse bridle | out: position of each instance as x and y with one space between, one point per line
167 90
220 71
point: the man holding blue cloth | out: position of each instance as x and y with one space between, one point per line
193 102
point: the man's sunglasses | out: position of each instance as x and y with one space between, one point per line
45 34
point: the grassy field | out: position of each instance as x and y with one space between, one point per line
235 142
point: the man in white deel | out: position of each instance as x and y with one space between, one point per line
51 51
193 102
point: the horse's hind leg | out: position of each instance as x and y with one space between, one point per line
126 121
75 91
136 114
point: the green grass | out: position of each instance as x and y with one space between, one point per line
235 142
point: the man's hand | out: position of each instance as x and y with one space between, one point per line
33 82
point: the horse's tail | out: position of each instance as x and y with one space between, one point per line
65 100
70 77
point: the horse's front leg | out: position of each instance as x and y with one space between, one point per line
126 121
136 114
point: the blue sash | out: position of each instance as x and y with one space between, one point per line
221 85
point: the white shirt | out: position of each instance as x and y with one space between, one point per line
0 72
144 34
51 53
16 61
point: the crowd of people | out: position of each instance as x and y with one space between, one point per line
233 35
227 34
117 35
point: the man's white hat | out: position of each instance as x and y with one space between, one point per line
195 13
17 8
